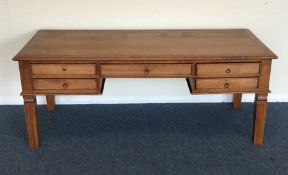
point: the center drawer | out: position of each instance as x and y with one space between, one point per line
146 70
65 84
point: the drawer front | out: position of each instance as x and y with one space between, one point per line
169 69
227 83
228 69
146 70
65 84
63 69
137 70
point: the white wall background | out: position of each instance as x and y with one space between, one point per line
19 20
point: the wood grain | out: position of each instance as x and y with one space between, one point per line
144 45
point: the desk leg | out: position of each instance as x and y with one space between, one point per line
50 99
30 107
259 118
237 101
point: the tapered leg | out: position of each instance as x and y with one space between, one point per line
237 101
30 106
50 102
259 118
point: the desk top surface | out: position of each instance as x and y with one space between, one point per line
144 45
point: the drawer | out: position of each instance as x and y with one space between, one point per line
65 84
118 70
228 69
227 83
146 70
169 69
63 69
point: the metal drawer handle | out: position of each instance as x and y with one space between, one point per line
146 71
65 85
64 68
226 85
228 70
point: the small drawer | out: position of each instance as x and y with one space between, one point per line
146 70
63 69
65 84
227 83
228 69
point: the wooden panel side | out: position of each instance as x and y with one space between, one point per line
265 74
25 75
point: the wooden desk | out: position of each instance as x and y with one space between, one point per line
66 62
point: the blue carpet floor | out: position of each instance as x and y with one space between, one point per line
145 139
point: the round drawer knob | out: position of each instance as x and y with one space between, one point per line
228 70
64 68
146 71
65 85
226 85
